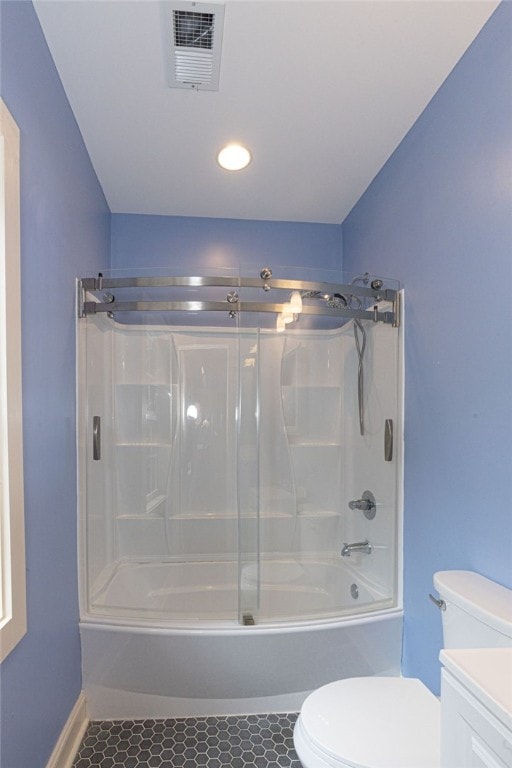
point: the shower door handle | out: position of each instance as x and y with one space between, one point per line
96 438
388 440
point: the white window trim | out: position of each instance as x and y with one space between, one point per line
13 615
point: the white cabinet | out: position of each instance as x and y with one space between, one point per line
476 708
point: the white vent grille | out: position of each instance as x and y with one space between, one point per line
193 29
193 39
193 67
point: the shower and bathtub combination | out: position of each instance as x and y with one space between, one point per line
240 475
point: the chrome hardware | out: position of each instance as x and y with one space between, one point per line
354 591
96 438
80 298
232 297
232 314
397 310
360 546
376 284
171 302
366 504
388 440
440 603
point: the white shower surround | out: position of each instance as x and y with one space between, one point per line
146 664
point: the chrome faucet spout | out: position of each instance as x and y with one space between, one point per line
359 546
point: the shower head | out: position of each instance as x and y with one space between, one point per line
334 300
337 300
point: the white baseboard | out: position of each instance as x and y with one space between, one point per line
71 736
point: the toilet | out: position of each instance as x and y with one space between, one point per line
394 722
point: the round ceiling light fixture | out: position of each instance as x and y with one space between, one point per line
234 157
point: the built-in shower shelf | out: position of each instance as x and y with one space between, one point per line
297 442
312 386
269 514
143 444
308 510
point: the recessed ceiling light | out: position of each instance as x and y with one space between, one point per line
234 157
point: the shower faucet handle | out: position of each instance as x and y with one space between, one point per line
365 504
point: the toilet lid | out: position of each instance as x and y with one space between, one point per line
375 722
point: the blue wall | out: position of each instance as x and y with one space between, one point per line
163 241
65 229
439 217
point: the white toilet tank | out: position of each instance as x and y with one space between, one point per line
478 611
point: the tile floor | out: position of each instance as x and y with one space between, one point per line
247 741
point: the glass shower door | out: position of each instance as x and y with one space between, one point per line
248 472
230 456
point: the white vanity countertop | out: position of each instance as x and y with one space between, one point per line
487 674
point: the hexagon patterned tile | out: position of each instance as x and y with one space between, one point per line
247 741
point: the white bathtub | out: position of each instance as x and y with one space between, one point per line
184 592
139 663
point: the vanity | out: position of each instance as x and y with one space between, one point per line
476 710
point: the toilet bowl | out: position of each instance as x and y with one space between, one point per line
369 722
394 722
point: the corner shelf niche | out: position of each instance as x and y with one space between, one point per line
311 395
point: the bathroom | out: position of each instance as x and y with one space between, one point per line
436 217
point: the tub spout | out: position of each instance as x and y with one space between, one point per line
360 546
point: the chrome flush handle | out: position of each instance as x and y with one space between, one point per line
440 603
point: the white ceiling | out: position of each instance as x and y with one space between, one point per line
321 92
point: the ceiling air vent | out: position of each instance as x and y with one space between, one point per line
193 40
